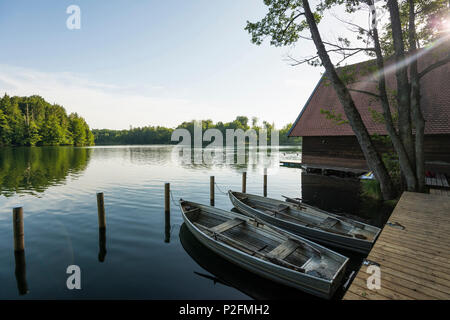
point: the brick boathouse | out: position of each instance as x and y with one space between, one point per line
327 143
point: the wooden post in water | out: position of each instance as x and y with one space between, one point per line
19 243
101 211
167 212
265 183
167 197
244 182
167 227
211 190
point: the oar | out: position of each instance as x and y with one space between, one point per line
293 200
214 279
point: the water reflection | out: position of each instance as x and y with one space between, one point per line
102 244
167 227
238 159
343 196
20 272
33 170
254 158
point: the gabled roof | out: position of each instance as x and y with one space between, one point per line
435 101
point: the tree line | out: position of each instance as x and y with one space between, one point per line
162 135
32 121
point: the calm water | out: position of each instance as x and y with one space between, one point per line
144 258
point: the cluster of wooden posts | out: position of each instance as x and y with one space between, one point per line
211 191
19 235
19 241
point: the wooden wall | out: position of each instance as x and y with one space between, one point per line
344 151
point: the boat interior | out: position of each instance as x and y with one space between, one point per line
294 213
256 240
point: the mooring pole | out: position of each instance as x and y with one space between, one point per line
101 211
19 243
211 190
167 227
167 197
167 212
101 226
265 183
244 182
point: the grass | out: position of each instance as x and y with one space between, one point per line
371 189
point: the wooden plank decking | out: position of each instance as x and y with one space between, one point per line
299 164
414 261
443 192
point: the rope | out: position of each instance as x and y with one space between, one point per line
172 227
173 200
219 188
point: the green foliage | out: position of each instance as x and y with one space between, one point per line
144 135
392 164
31 121
371 189
384 139
280 23
284 23
337 118
162 135
390 160
430 20
285 140
5 129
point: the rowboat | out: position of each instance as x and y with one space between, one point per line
218 270
307 221
267 251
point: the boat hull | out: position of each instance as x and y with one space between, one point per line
315 286
317 235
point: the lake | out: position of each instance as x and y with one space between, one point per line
139 257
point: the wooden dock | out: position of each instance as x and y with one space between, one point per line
414 261
308 166
440 191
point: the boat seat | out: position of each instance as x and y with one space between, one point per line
329 223
243 199
227 225
192 210
283 250
281 208
274 212
193 213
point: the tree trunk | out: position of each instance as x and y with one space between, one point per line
403 87
405 166
416 111
353 116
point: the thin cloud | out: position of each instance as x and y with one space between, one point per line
103 105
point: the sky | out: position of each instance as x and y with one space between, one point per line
137 63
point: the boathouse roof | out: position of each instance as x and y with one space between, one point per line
435 99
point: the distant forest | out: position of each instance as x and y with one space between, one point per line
32 121
162 135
